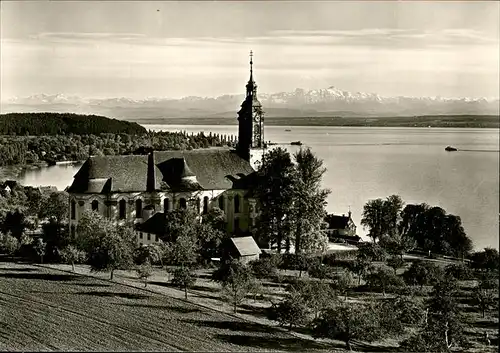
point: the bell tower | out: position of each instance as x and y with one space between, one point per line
251 124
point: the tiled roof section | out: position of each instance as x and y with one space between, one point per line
127 174
246 246
337 222
215 168
97 186
154 225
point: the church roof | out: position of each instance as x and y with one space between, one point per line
213 169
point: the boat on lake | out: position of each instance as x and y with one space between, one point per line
450 149
288 130
296 143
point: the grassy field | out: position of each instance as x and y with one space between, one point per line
43 309
46 309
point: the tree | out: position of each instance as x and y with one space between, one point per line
275 195
342 282
144 271
315 294
484 298
444 326
264 267
237 281
459 271
397 244
55 207
57 236
39 245
209 241
371 252
215 218
152 253
183 278
395 263
381 277
108 247
487 260
309 203
71 255
347 322
407 310
291 312
321 271
9 244
422 273
359 267
381 217
15 222
438 232
373 218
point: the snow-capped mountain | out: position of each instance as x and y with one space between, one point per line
317 102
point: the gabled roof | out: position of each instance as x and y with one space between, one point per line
209 169
246 246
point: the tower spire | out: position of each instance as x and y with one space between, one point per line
251 65
251 86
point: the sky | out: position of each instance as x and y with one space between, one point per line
176 49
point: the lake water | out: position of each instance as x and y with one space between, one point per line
369 163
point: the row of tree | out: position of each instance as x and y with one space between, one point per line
64 123
401 228
31 149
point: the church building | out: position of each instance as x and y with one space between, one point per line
138 189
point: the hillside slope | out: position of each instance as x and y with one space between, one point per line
64 123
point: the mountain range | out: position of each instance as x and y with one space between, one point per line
326 102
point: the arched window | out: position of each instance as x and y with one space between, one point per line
122 205
198 204
182 203
237 204
95 205
221 202
205 205
166 205
73 209
73 230
138 208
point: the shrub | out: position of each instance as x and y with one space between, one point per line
290 312
422 273
264 268
460 271
321 271
144 271
382 278
298 262
183 278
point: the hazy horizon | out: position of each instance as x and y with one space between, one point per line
179 49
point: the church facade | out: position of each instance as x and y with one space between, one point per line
137 190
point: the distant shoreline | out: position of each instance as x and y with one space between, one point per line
458 121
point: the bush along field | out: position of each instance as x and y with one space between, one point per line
412 288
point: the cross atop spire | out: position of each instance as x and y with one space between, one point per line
251 61
251 86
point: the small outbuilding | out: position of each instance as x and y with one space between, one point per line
243 249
